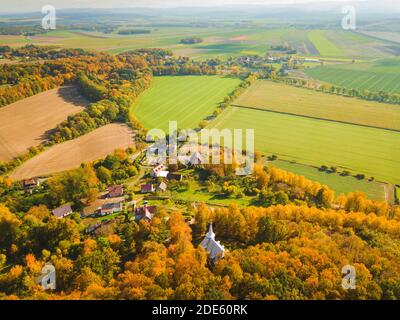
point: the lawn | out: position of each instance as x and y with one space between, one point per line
339 184
211 199
185 99
274 96
370 151
381 75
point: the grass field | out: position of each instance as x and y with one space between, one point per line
373 152
71 154
24 124
381 75
185 99
280 97
339 184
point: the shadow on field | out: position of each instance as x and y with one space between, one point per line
71 95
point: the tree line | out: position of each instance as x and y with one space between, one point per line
381 96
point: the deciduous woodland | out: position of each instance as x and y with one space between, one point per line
291 246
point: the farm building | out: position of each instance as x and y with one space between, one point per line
63 211
215 250
110 208
115 191
147 188
145 212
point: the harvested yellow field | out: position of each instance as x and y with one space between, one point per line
25 123
71 154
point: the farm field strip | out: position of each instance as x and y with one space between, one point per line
281 98
324 46
71 154
370 151
357 79
185 99
24 124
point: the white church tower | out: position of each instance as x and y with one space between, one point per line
215 250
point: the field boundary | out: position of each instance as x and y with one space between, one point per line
314 118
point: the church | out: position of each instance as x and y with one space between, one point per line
215 250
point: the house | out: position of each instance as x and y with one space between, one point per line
110 208
31 184
145 212
63 211
175 176
162 187
115 191
215 250
159 171
147 188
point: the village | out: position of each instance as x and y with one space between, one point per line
115 201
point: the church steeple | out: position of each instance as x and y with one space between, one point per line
210 234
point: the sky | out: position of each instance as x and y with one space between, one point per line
36 5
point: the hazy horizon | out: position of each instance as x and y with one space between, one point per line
22 6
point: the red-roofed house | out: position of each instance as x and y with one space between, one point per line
145 212
147 188
115 192
31 184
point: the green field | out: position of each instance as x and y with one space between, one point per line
373 152
185 99
381 75
274 96
323 44
339 184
